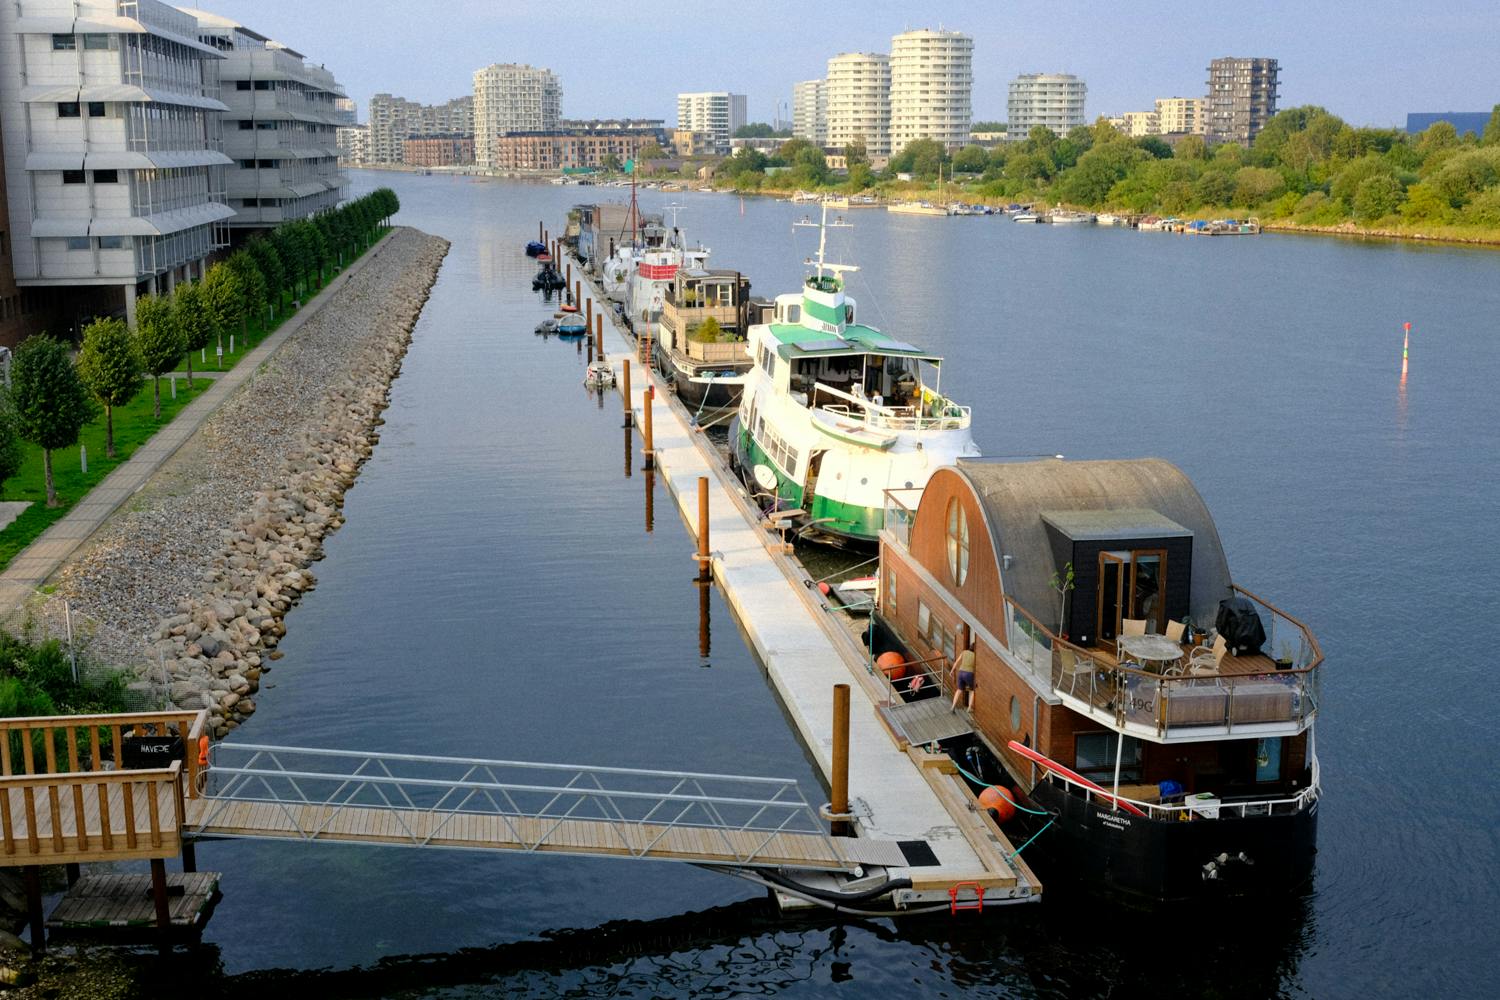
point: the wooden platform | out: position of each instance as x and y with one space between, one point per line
99 902
926 721
125 815
490 831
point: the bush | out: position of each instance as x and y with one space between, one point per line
1253 185
1377 197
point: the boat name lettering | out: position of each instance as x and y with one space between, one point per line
1116 821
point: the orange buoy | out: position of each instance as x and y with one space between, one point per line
892 664
998 799
203 750
824 589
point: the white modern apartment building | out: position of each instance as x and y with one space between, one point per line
393 120
810 111
932 82
509 98
1053 100
280 130
1140 123
716 113
859 102
1181 115
110 115
354 145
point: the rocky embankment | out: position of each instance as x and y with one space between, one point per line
1351 229
211 556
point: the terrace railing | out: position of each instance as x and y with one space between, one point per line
936 412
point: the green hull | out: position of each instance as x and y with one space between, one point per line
848 521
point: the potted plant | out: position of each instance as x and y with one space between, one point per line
1062 584
1284 659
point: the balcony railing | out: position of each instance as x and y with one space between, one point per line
935 413
900 512
1174 704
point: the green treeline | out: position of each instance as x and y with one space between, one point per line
1306 165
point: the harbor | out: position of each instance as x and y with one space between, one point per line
622 604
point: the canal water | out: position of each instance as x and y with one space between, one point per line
496 593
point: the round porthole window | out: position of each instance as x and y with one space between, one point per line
958 542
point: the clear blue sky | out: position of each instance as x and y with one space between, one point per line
1370 61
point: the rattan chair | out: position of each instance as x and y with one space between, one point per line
1208 659
1176 630
1132 626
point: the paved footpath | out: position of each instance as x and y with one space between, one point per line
34 564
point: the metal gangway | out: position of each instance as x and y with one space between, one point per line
410 800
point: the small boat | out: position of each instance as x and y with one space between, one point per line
1066 217
1026 215
856 596
600 375
571 322
535 248
1107 219
547 279
917 208
546 327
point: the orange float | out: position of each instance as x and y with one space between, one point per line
892 664
998 799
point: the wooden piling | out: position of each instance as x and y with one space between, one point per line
541 233
159 894
649 451
705 561
588 303
840 804
625 393
599 335
704 630
569 266
629 471
32 877
189 856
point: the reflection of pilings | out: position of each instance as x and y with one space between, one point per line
628 470
703 624
650 500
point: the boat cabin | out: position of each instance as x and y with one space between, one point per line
697 294
1076 584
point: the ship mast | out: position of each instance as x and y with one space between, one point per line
821 261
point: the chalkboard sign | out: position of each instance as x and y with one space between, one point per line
150 751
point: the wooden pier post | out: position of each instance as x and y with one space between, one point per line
588 324
32 877
611 249
625 392
159 894
649 451
569 266
541 232
189 856
840 804
705 561
599 335
577 292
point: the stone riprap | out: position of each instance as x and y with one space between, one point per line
209 558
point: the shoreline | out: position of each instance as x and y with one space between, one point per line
264 477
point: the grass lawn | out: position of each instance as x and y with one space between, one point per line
134 425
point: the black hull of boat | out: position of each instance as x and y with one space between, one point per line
1166 862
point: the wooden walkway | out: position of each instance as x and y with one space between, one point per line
209 817
926 721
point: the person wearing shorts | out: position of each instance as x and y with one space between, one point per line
963 679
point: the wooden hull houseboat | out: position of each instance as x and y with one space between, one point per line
1145 763
706 361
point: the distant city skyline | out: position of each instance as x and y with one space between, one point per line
1371 70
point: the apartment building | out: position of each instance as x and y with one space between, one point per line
563 149
393 120
280 129
354 145
439 151
348 110
110 118
1139 123
859 102
718 113
688 143
512 98
1180 116
810 111
1241 98
1052 100
932 82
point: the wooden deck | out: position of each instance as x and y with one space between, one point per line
926 721
126 815
489 831
99 902
1230 666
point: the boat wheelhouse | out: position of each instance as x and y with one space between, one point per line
835 412
705 361
655 267
1167 769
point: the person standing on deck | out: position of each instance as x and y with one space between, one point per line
963 679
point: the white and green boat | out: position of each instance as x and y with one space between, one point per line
834 412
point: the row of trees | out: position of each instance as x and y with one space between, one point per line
53 396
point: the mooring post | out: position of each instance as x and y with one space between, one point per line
569 266
840 804
189 856
625 392
589 310
628 463
577 292
649 451
32 877
74 872
159 894
599 334
705 561
540 232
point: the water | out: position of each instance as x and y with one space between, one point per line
494 593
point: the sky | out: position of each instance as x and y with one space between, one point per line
1369 61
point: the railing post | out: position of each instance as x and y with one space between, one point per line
840 804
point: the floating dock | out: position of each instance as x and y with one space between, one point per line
898 791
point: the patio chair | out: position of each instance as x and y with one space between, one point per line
1208 659
1176 630
1073 666
1132 626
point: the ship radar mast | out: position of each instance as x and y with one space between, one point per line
821 262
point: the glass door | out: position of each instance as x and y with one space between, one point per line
1113 584
1148 579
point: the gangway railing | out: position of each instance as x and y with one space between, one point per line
258 791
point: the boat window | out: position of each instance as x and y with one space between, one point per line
958 542
888 598
1094 757
924 617
848 312
793 314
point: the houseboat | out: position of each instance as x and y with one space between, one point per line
835 412
655 267
1146 763
706 362
917 208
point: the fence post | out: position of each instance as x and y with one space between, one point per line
72 653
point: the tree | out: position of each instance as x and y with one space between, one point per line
194 324
110 365
987 127
650 151
1376 197
251 285
1191 147
1491 135
271 268
1099 170
855 153
1253 185
611 162
860 177
755 130
10 440
1155 146
971 160
921 158
1215 187
51 402
159 340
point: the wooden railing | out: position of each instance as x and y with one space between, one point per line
87 742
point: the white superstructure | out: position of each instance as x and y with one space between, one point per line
859 101
111 123
932 80
512 98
